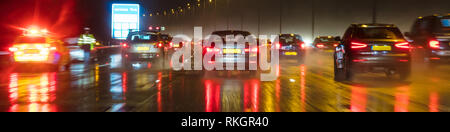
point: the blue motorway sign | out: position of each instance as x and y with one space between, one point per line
124 18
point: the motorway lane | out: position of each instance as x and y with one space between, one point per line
309 87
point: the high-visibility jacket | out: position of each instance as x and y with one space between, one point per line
87 39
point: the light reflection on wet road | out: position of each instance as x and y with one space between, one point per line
147 86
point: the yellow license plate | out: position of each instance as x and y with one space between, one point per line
290 53
231 51
143 48
381 48
32 51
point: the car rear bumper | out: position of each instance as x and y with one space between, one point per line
376 64
141 56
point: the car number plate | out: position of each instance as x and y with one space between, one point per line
231 51
143 48
290 53
381 48
32 51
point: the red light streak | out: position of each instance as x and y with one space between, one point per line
303 86
159 85
402 99
434 102
358 100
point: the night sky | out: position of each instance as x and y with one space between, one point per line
332 17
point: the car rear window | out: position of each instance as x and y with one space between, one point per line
326 39
225 33
143 38
286 40
31 40
379 33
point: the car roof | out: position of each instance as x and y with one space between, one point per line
326 37
144 32
434 16
231 31
373 25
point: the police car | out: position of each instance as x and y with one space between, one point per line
36 46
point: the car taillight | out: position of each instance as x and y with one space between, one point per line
124 45
403 45
434 44
335 45
53 48
356 45
277 45
13 49
320 45
170 44
212 50
253 50
302 45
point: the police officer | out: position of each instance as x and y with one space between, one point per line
87 42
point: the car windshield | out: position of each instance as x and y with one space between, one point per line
139 38
379 33
31 40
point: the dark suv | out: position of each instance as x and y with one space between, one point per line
372 48
431 36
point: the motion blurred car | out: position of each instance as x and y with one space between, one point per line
142 46
76 53
431 36
325 43
291 47
167 40
232 54
35 46
372 48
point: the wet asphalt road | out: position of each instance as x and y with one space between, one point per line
148 87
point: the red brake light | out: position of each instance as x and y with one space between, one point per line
434 44
160 45
403 45
277 45
302 45
13 49
358 45
255 50
124 45
336 45
320 45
